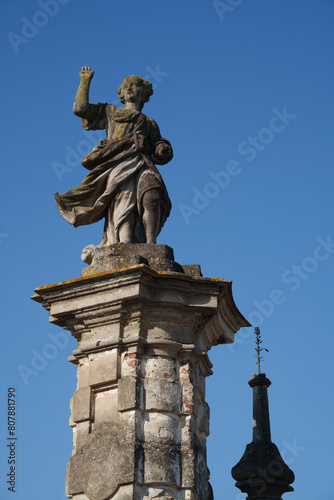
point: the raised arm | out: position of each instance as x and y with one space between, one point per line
81 106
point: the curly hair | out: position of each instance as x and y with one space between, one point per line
145 83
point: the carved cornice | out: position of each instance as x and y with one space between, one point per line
138 293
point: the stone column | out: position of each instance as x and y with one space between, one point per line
139 415
261 421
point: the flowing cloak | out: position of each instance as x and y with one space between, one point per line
122 169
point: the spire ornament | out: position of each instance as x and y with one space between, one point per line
259 349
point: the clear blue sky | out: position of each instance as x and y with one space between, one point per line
244 94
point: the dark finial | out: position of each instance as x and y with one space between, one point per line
262 472
258 349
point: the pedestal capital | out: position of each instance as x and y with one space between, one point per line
204 305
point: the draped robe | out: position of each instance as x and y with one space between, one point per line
122 169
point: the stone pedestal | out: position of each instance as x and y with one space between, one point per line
139 415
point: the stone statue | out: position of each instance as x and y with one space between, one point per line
123 184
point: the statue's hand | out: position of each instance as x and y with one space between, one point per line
86 74
163 151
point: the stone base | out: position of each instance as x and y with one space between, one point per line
135 492
139 416
158 257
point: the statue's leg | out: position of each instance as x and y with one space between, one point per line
126 230
151 214
109 237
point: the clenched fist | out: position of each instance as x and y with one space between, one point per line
163 151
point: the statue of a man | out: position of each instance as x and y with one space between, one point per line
123 184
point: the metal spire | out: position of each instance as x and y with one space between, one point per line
258 349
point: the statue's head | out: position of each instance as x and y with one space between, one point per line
135 89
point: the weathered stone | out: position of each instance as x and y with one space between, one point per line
103 367
143 323
131 363
204 418
81 430
105 407
143 338
79 497
200 469
126 492
83 374
122 176
189 399
111 257
160 493
127 393
160 367
192 269
162 395
81 404
188 469
188 430
162 465
99 466
162 428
